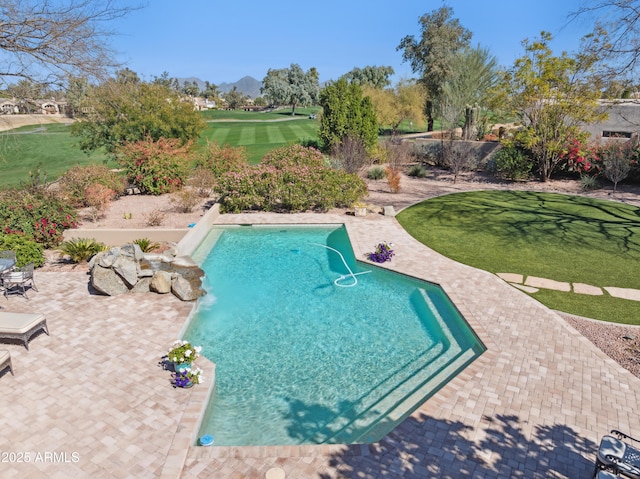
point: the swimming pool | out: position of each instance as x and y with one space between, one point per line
304 359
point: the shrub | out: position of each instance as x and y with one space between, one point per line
146 245
184 201
292 178
155 218
511 163
39 215
589 182
375 173
350 154
98 197
203 181
393 178
27 250
156 167
417 171
81 249
76 180
222 159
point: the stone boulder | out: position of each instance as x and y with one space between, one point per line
127 269
161 282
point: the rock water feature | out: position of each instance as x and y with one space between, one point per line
127 269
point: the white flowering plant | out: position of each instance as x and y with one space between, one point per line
183 352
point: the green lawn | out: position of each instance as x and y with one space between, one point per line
560 237
258 138
51 147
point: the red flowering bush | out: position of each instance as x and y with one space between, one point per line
38 215
156 167
293 178
581 157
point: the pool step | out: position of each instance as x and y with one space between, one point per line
396 397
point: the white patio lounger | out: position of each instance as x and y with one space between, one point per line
21 325
5 360
617 455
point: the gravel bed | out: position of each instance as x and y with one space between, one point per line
621 343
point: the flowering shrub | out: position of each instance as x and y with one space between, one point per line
156 167
222 159
98 197
183 352
382 253
38 215
581 157
293 178
187 377
77 179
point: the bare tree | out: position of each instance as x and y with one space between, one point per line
46 41
350 155
614 39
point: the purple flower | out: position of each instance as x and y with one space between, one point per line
382 253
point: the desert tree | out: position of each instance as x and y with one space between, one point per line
403 102
433 55
124 112
617 156
371 76
46 41
291 86
615 36
553 96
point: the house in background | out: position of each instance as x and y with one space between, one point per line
623 120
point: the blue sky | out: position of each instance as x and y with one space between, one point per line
224 41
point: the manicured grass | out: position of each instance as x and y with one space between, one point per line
51 147
258 138
257 115
560 237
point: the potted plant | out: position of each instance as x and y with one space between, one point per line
187 378
182 354
382 253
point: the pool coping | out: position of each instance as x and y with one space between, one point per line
185 445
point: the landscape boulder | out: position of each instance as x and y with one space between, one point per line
127 269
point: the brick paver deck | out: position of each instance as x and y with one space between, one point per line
91 400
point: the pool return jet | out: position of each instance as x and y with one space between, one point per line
352 275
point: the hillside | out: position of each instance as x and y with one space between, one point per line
246 85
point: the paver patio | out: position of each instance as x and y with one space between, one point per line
534 405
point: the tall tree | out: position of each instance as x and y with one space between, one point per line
129 112
210 91
46 41
346 113
553 96
394 105
433 55
291 86
371 76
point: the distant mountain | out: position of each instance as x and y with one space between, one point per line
247 85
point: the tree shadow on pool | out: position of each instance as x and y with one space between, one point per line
424 447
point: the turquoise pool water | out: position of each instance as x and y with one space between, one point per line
301 360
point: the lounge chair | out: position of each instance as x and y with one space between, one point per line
5 360
616 455
18 279
22 326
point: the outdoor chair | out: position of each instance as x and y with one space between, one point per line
5 361
618 456
18 280
22 326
